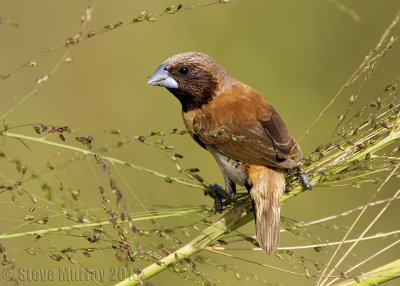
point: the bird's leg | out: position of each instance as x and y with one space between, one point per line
228 193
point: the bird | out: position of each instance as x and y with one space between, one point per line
240 128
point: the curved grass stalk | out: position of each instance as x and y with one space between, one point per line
377 276
395 232
230 221
241 214
106 158
235 218
173 213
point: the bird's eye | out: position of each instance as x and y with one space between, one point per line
183 70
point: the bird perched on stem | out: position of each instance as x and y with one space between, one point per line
241 129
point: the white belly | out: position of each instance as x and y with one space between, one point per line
230 168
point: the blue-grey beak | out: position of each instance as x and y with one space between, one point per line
161 77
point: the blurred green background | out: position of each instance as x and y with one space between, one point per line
295 53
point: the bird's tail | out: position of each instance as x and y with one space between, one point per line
267 188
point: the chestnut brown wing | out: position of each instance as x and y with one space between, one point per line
253 132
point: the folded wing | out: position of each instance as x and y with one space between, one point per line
243 125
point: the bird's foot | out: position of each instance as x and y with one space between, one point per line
304 178
219 193
218 203
302 175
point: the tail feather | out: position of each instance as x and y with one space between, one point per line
266 192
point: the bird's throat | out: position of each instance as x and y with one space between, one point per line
189 101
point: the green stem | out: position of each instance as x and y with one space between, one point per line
210 234
235 218
86 225
327 161
106 158
232 220
377 276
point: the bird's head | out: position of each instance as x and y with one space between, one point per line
194 78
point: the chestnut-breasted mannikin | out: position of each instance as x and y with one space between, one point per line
240 128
